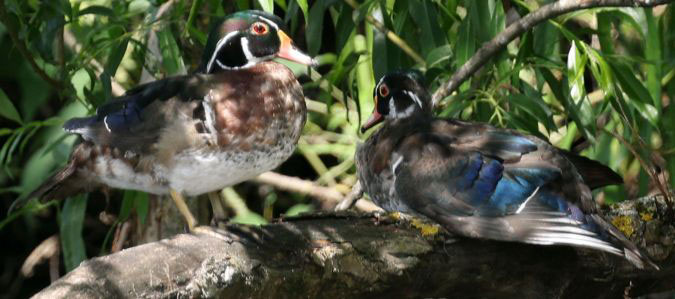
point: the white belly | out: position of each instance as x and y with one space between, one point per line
193 172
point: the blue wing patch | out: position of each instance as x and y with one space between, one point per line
514 188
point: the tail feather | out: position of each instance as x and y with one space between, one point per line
64 183
549 228
594 173
52 188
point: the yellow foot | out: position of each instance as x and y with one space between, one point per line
183 209
427 229
219 215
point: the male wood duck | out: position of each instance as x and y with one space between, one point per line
239 115
479 181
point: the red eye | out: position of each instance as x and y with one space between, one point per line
384 90
259 28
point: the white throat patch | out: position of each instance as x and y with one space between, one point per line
400 114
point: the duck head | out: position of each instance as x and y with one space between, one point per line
399 95
246 38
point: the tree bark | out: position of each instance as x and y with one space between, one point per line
349 254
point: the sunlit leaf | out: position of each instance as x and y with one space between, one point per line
7 109
172 60
97 10
305 9
578 105
439 55
298 209
267 5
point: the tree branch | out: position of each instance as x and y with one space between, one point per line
514 30
331 196
347 255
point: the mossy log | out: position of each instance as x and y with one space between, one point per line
347 255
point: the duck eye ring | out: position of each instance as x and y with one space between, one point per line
383 90
259 28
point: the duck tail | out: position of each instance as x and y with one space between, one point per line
62 184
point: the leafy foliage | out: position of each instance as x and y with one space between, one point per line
597 81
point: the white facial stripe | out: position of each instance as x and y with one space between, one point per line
250 58
413 96
379 82
268 21
247 52
219 45
400 114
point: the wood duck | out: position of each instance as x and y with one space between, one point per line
239 115
479 181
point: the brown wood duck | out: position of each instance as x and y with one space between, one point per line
239 115
479 181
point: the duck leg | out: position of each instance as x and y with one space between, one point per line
183 209
219 214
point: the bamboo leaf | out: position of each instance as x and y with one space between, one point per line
172 60
71 223
96 10
267 5
7 109
653 56
304 8
578 104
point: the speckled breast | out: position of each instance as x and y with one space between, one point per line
248 122
373 166
251 125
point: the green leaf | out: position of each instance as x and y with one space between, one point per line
305 9
428 30
142 206
116 56
439 55
96 10
249 218
653 56
365 82
578 105
72 219
127 204
172 60
535 107
298 209
139 6
638 94
137 200
7 109
466 42
315 27
267 5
